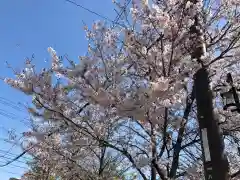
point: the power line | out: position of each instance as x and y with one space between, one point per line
13 117
10 158
13 155
89 10
98 14
12 104
9 150
15 165
9 172
25 151
121 13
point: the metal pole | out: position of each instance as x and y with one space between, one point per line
234 91
215 163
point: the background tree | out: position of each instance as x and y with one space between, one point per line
13 179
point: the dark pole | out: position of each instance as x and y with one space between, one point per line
234 90
215 162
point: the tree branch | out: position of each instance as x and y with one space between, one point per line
236 174
177 146
164 133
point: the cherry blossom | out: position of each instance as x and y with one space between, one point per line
126 104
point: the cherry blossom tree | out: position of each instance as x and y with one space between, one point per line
130 100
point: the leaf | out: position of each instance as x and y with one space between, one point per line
69 88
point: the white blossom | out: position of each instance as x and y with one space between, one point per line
162 84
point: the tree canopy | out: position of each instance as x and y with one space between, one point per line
127 108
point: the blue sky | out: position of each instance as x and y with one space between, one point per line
31 26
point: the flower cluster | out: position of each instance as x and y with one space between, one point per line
127 96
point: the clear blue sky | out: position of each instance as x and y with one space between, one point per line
31 26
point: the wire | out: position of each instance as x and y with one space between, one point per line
25 151
12 104
98 14
13 117
121 13
9 172
16 158
16 166
15 144
13 155
93 12
15 106
10 158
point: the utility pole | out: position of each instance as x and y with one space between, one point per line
215 162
